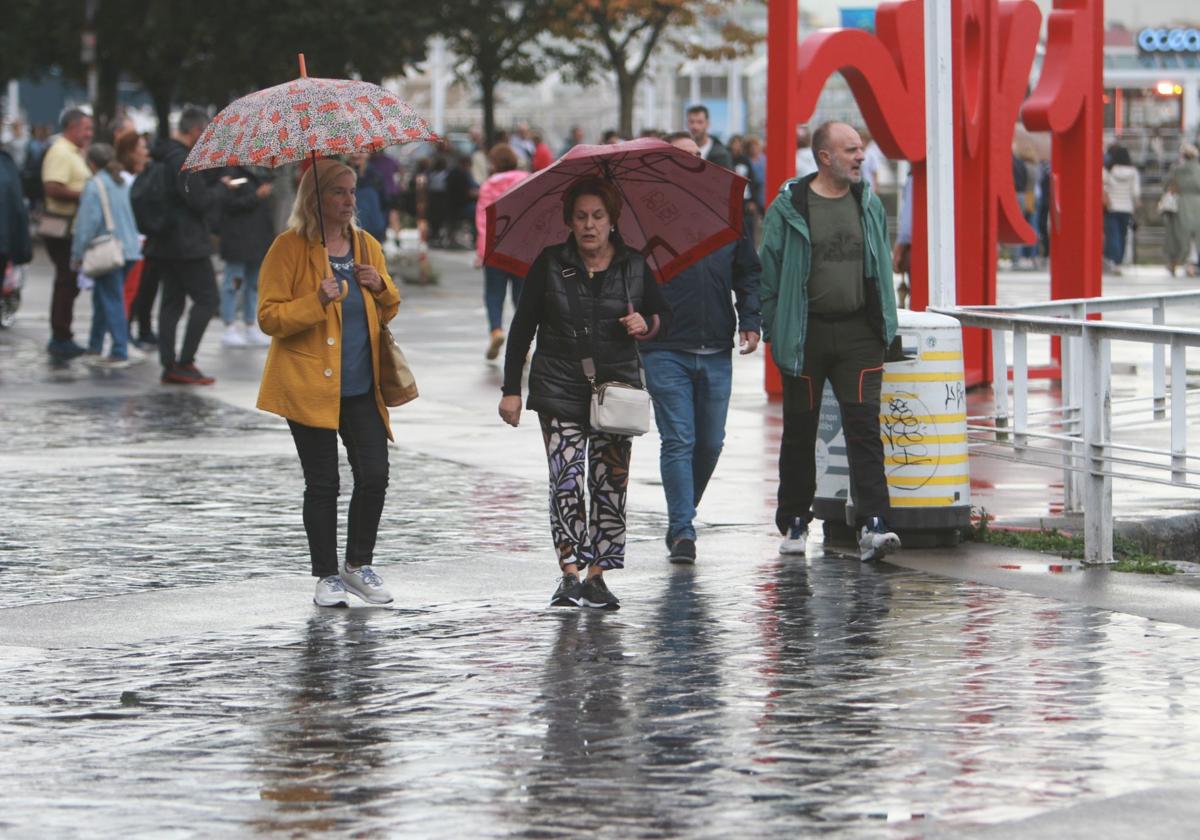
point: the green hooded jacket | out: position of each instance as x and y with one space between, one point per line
786 255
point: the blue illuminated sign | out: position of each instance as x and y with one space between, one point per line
858 18
1169 40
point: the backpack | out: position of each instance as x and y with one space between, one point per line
31 175
151 199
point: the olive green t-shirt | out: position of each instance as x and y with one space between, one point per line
835 284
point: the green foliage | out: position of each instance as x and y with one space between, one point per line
1128 555
213 52
498 40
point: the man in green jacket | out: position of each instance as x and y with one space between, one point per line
829 311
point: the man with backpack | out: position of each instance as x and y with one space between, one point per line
172 209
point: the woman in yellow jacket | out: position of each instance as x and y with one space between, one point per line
324 308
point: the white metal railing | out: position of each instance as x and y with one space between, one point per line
1081 428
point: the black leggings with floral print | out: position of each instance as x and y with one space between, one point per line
580 536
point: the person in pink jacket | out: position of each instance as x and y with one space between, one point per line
496 282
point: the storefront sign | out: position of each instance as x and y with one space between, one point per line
1169 40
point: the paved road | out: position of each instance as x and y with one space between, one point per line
165 673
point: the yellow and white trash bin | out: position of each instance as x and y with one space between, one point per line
923 424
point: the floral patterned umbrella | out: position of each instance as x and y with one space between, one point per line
306 118
303 118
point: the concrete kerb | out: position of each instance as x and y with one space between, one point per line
1175 538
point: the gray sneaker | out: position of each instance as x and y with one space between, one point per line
367 585
331 593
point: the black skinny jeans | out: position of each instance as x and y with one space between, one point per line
365 438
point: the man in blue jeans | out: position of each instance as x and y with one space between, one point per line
689 372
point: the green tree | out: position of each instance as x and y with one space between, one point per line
622 35
498 41
212 52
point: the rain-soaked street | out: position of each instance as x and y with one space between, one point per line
165 673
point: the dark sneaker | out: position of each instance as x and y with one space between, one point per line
876 541
594 593
796 538
201 379
185 375
568 592
683 550
64 348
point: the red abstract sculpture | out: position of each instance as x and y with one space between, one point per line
993 50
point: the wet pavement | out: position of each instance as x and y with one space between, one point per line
166 675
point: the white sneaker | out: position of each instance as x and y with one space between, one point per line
331 593
367 585
105 362
257 337
876 541
234 336
135 355
796 539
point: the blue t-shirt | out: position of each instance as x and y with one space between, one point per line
357 377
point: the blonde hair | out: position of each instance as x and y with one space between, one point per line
1189 151
304 219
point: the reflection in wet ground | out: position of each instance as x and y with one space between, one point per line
826 699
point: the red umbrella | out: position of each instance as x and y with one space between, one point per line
677 207
306 118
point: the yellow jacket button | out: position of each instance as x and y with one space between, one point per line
328 372
330 341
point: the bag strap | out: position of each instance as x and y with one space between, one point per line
570 278
108 221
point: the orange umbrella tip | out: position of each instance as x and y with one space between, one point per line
303 69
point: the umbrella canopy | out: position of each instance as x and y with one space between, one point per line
305 117
676 207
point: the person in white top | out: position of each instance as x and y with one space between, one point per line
1122 193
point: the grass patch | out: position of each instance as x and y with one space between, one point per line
1128 555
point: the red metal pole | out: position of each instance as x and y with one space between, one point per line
783 47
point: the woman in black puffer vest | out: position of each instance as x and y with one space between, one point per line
609 279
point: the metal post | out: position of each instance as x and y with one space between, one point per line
733 95
1096 404
939 155
1159 365
1178 410
1072 497
1020 384
440 82
12 102
1000 382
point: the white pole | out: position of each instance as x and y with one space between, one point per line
733 117
439 83
12 101
939 152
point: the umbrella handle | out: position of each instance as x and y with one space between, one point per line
650 333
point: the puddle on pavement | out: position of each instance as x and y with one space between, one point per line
830 698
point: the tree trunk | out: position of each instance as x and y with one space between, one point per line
162 110
105 106
627 90
487 88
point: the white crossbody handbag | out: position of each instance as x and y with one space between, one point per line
105 253
617 408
